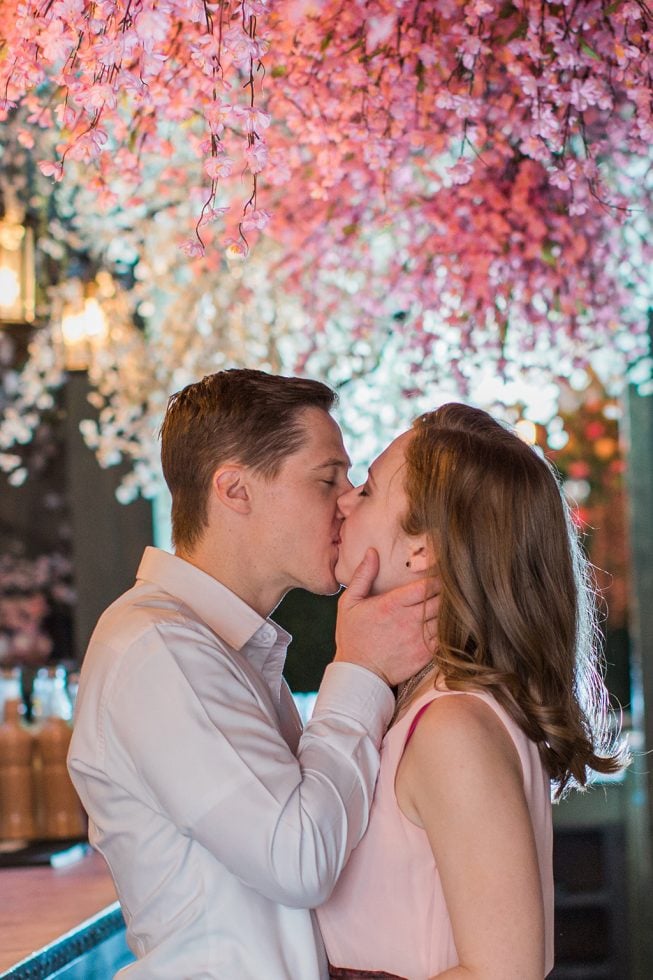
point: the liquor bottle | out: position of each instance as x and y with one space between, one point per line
60 811
10 687
16 784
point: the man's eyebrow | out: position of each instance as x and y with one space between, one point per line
340 461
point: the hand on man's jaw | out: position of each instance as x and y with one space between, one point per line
392 634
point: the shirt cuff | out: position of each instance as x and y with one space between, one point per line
352 690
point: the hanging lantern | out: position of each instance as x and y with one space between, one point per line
16 272
83 324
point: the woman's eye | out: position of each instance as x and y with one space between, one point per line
363 492
329 483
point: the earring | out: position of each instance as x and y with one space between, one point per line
407 564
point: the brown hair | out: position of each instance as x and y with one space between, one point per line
517 614
241 415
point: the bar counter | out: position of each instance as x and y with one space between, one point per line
54 918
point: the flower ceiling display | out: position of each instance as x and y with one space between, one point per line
461 166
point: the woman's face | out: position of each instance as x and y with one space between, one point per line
373 514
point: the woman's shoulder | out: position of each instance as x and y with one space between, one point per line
458 756
457 724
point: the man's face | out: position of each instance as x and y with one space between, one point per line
298 521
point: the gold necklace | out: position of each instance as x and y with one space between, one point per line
409 686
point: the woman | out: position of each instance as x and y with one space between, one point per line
454 875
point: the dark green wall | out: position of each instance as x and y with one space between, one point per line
311 619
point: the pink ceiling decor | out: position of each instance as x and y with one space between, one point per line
453 165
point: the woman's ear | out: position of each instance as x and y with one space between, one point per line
420 554
231 489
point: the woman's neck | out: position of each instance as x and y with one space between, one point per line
413 688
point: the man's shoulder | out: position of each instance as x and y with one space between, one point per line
139 625
141 609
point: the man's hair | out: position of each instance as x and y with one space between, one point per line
517 614
238 415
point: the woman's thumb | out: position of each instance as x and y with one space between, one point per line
364 575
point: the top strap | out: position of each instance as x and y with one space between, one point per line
414 722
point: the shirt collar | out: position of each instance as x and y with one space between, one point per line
262 641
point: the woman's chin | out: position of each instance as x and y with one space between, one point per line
342 573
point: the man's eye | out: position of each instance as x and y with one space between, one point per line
329 483
363 492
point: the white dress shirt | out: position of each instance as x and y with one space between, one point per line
223 825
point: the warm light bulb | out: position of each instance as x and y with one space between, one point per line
73 329
81 331
95 322
9 286
527 431
16 273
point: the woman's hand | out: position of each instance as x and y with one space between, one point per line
392 634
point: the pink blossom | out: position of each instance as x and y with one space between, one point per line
68 10
254 8
110 50
152 25
256 220
379 29
55 41
88 146
578 208
277 169
241 46
218 167
629 11
479 8
252 118
427 55
217 114
584 93
26 138
235 249
99 97
256 156
545 124
209 215
192 248
565 176
66 116
50 169
461 171
470 48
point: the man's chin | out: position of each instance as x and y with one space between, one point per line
328 586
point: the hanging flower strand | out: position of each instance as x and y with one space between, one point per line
503 147
123 72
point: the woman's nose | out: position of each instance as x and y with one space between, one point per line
344 500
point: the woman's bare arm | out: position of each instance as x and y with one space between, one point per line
461 780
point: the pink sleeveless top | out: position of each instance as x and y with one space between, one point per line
387 911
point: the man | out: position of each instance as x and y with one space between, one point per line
222 823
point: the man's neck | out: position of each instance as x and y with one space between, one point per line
238 573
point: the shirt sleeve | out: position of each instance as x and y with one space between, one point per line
206 752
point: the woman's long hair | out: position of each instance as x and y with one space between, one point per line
517 613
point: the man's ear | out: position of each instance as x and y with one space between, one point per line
230 487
